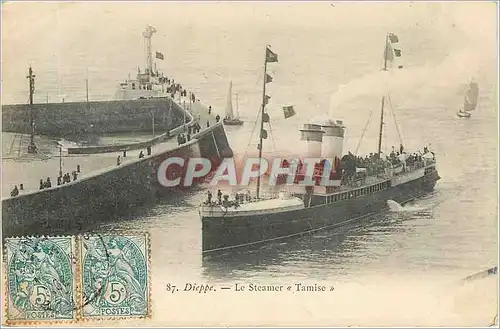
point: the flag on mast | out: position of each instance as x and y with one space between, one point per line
288 111
159 55
266 99
390 51
270 56
393 38
269 78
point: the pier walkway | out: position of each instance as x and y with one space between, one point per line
28 170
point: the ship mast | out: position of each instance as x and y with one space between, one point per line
147 34
32 147
383 99
263 133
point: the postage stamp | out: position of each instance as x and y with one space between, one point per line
115 276
40 276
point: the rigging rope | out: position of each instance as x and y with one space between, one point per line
395 121
251 134
364 131
385 140
272 136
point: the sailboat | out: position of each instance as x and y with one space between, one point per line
470 100
231 119
312 205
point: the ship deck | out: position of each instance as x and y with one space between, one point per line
28 169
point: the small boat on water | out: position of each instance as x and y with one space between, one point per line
470 100
358 186
231 119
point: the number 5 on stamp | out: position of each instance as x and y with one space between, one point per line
115 276
40 279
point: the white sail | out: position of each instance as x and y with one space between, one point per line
471 97
229 107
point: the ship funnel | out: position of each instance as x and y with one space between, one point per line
311 137
333 141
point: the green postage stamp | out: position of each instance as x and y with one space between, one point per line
41 279
115 276
68 279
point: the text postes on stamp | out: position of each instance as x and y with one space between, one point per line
115 276
40 279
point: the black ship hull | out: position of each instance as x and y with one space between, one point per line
221 234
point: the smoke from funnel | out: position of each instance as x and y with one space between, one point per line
472 50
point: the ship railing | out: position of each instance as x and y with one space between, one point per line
224 208
246 197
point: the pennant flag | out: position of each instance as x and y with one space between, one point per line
159 55
289 111
397 52
266 99
269 78
270 56
393 38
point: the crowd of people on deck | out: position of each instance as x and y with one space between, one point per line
372 164
223 199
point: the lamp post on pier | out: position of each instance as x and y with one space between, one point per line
32 149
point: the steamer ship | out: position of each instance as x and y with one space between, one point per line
361 186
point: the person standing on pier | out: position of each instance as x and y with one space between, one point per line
208 123
148 149
41 184
219 196
15 191
48 183
217 118
209 109
141 155
118 160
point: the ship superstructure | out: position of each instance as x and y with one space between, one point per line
149 82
